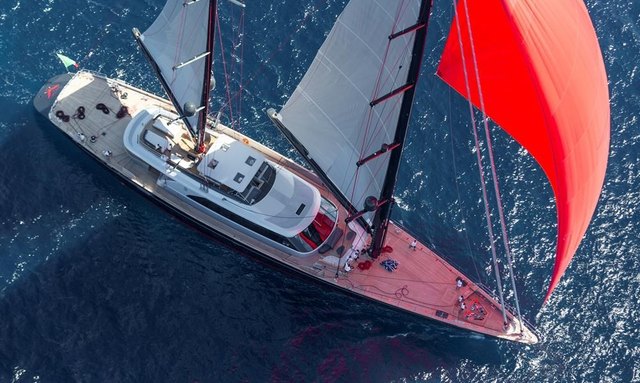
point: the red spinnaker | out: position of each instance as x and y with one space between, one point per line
543 81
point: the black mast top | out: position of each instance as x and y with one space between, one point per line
382 215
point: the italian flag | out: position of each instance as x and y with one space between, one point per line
67 62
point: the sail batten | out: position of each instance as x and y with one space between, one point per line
194 59
543 81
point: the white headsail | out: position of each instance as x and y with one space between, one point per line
330 112
177 43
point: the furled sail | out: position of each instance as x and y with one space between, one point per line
177 42
329 112
543 80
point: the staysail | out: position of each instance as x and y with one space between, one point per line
543 81
330 112
179 43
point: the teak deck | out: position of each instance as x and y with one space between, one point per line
423 283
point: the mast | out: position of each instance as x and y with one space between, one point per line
206 89
382 214
156 69
343 136
183 71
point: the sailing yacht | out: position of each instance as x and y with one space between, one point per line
331 218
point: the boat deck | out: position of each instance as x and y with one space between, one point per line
422 283
426 284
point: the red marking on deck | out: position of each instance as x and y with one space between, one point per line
51 89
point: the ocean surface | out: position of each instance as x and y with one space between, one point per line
98 284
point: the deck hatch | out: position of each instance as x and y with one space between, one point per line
300 209
442 314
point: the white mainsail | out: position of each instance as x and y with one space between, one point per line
330 112
177 42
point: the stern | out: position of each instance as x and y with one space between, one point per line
49 92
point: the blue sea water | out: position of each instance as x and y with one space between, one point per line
98 284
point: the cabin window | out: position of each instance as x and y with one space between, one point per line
301 245
242 221
329 209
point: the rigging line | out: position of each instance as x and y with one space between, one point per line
366 122
398 59
374 174
380 123
455 176
378 85
378 164
237 32
380 277
272 54
383 215
241 42
224 66
405 296
479 160
496 187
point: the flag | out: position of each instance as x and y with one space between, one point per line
67 62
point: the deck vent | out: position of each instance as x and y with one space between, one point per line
250 161
300 209
239 177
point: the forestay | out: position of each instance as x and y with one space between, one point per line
330 113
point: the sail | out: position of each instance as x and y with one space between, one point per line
177 42
329 112
543 81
